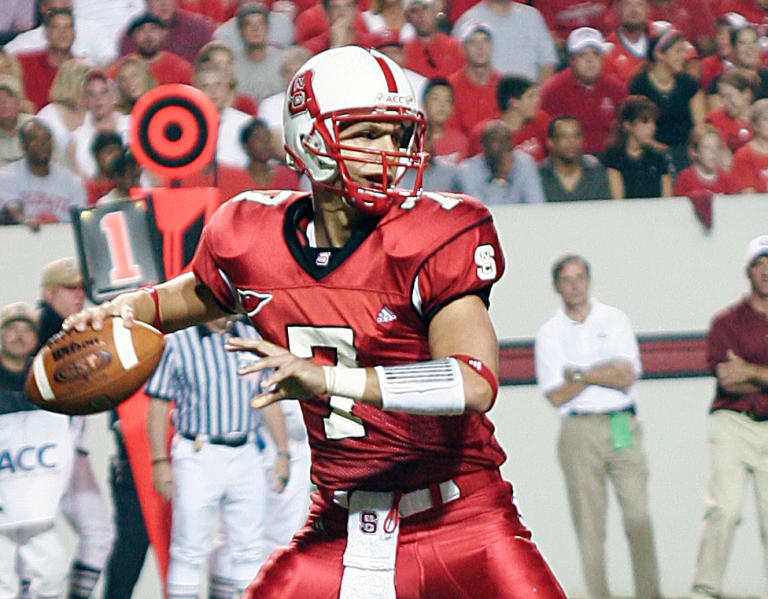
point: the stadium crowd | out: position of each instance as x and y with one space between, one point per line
525 102
544 101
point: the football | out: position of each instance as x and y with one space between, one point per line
85 372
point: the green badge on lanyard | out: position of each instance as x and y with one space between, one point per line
621 431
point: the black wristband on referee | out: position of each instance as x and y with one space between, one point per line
159 460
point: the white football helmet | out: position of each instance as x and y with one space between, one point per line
344 85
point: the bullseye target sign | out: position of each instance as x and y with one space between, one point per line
174 130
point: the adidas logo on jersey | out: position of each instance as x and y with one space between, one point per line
385 315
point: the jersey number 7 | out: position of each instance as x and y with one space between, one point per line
307 342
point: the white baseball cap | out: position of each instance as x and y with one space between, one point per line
585 37
756 248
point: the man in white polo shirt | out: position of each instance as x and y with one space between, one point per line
587 360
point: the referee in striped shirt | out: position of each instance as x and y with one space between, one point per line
215 465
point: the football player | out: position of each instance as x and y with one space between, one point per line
372 303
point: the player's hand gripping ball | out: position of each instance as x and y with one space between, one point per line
90 371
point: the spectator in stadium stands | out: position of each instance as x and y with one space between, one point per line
186 31
430 52
501 174
635 168
11 119
705 172
124 172
221 55
105 148
264 171
16 17
568 175
750 163
280 32
65 112
716 63
34 191
91 40
39 67
446 141
388 15
475 85
563 16
746 57
737 422
438 175
219 86
271 108
102 115
518 100
584 90
630 39
677 95
257 66
587 361
522 44
737 90
148 33
330 24
133 79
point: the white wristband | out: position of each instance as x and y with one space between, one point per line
346 382
435 387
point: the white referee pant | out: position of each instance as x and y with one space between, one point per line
211 481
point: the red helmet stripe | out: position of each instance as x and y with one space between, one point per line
388 75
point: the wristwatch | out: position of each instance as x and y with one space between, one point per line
577 376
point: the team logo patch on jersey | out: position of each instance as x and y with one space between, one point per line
385 315
323 258
253 301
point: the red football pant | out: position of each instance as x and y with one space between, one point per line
472 548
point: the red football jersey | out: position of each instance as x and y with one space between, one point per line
367 303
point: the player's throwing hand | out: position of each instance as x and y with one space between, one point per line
293 377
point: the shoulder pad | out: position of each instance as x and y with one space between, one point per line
268 197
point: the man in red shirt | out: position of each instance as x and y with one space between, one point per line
737 355
474 86
431 52
39 68
584 90
186 31
630 39
364 313
148 34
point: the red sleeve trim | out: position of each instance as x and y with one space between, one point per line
478 366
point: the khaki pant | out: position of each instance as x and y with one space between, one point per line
587 458
738 446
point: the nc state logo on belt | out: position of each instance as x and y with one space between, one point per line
369 522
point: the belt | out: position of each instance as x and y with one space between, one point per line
230 440
629 409
434 496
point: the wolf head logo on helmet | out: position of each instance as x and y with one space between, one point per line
335 89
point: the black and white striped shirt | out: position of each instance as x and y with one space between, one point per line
201 377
